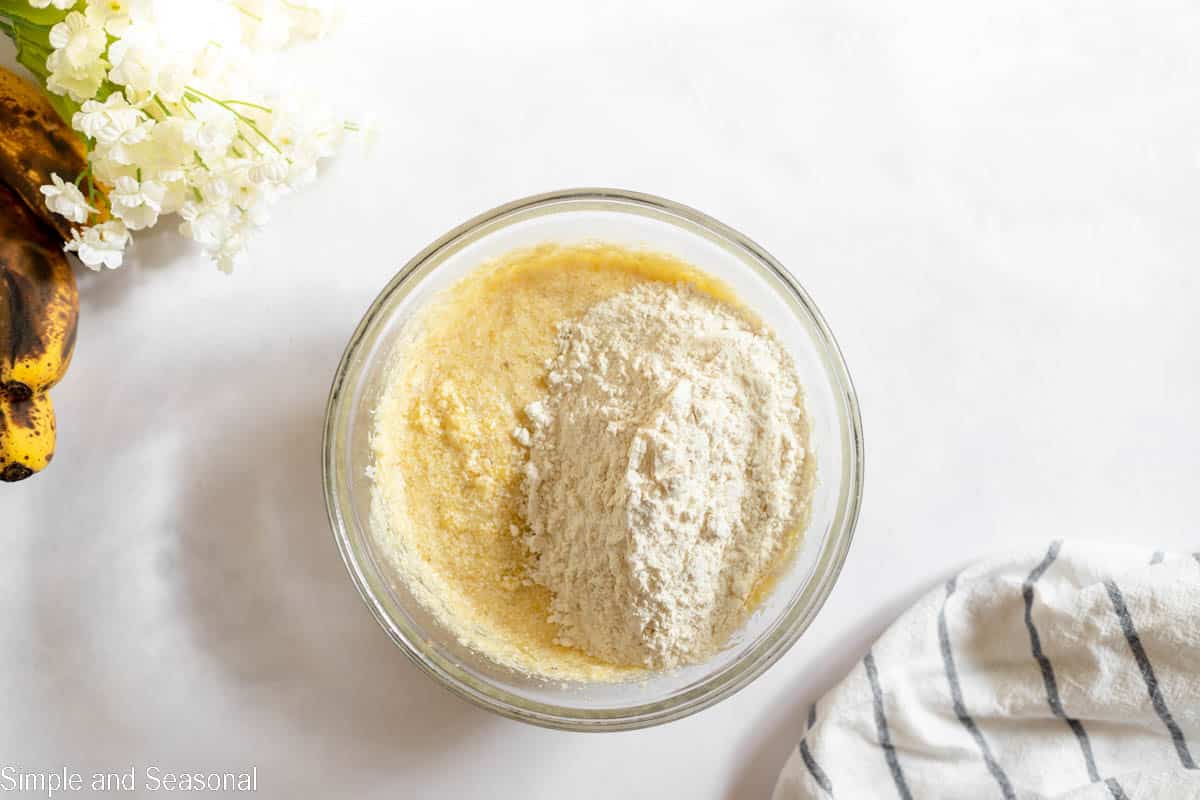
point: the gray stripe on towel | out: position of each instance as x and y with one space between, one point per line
814 768
1052 695
1143 662
960 708
1115 789
881 726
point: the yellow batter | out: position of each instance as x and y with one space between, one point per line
448 472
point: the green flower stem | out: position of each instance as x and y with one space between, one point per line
158 101
242 138
249 123
249 14
91 183
251 105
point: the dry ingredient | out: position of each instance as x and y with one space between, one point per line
710 406
667 466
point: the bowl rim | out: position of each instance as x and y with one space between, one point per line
712 689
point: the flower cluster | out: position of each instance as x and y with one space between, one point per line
158 90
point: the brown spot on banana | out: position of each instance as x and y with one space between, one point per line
23 414
15 472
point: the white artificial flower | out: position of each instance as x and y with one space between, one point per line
254 200
125 145
168 147
133 65
215 129
306 135
79 83
106 170
100 245
272 168
116 16
175 186
266 24
61 5
214 187
110 121
227 258
313 19
66 199
211 63
79 41
172 81
184 133
206 223
143 63
229 251
135 203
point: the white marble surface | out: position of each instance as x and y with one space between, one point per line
996 209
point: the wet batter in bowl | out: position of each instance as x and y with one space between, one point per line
504 476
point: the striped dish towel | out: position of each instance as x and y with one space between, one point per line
1073 672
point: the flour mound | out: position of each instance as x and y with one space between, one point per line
666 469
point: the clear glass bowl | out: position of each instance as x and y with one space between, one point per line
633 220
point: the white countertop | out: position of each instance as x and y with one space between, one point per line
996 210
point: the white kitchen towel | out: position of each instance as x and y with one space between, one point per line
1073 672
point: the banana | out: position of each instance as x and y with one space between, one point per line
39 301
34 142
27 436
37 286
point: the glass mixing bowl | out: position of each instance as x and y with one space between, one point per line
634 220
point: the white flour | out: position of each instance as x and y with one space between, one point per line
666 470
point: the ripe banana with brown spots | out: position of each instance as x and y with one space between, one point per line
39 310
39 301
39 307
27 436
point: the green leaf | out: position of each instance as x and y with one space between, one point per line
20 9
33 47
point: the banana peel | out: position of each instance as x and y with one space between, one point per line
28 433
35 142
38 288
39 299
39 313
